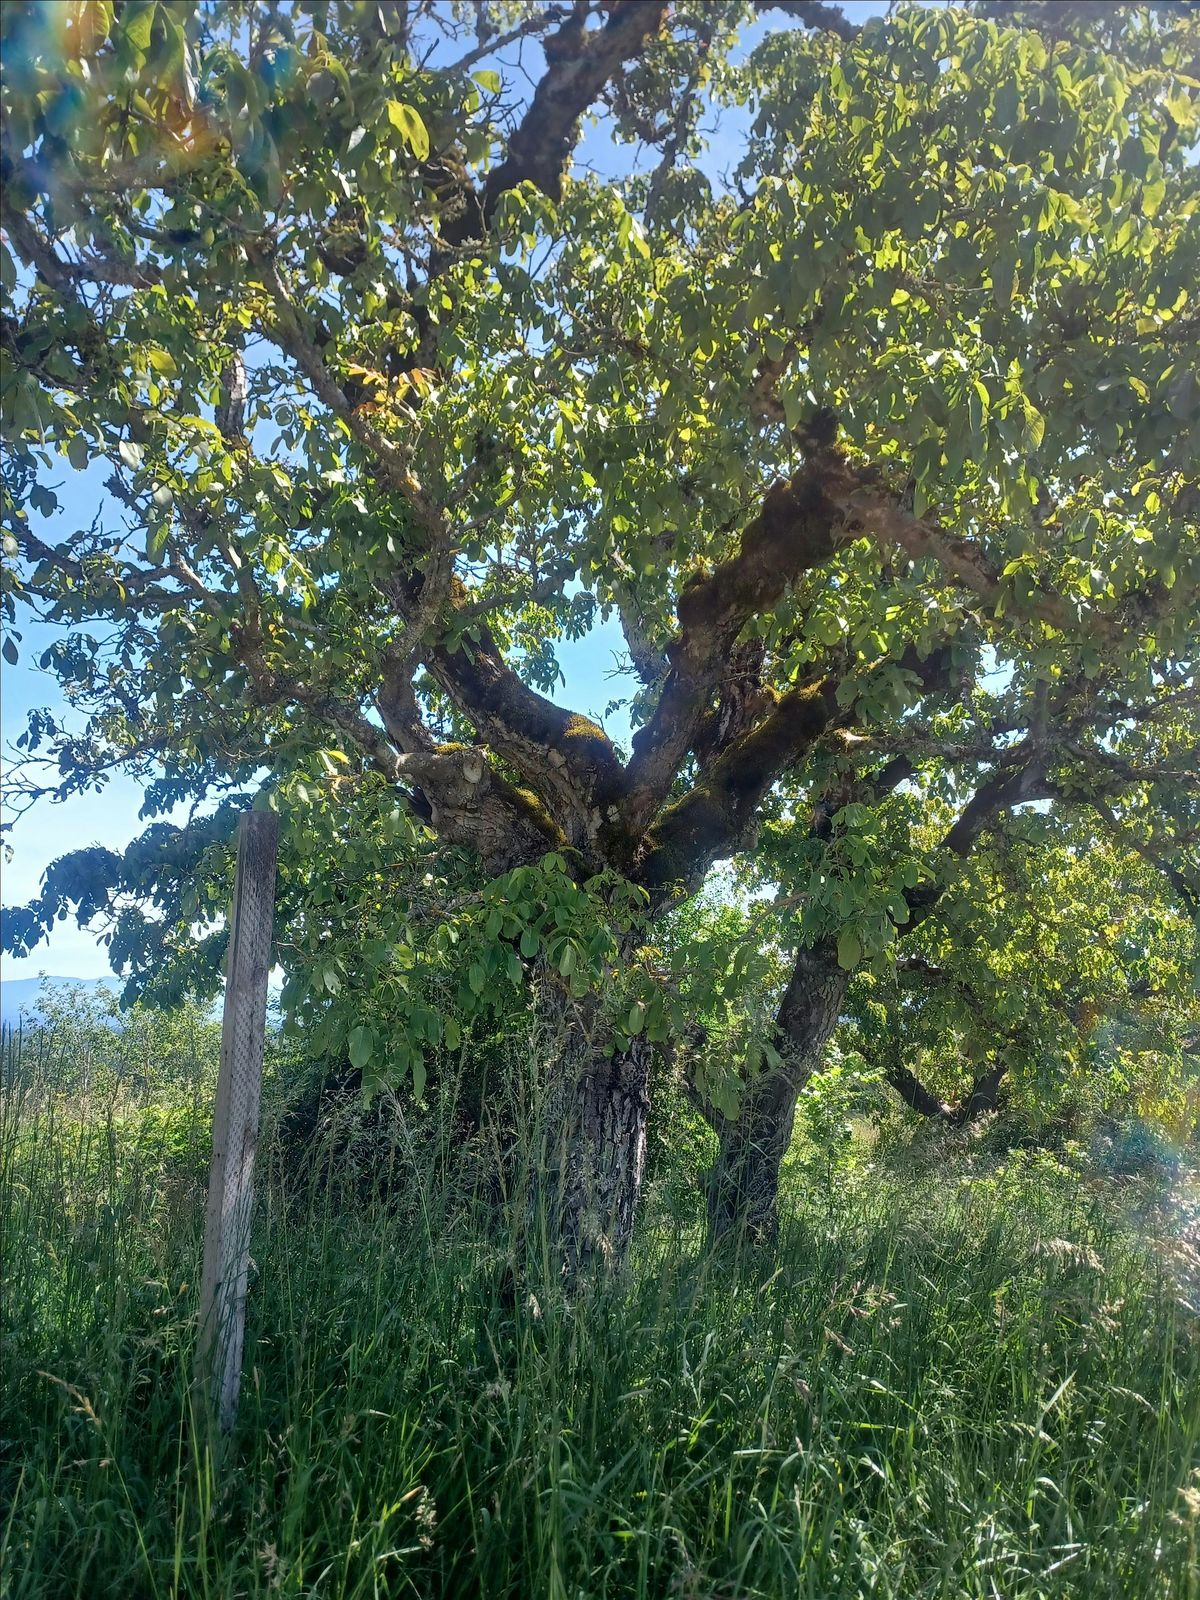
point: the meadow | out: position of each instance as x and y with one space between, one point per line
968 1370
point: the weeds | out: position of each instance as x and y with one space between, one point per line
979 1377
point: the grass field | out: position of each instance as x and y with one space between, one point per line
962 1374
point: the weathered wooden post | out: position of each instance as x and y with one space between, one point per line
235 1122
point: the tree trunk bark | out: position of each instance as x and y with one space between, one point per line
743 1188
588 1180
984 1096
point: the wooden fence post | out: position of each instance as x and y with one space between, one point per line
235 1121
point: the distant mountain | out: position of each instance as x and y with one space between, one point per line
19 996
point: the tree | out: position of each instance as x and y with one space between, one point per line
881 447
1051 978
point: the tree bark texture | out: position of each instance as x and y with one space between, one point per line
588 1179
743 1188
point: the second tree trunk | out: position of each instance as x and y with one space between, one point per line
743 1189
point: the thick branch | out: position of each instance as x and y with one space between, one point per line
1005 789
567 758
795 530
469 803
915 1095
1021 780
815 14
715 814
396 702
473 806
580 63
874 512
803 1027
984 1096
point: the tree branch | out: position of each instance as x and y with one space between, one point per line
470 803
983 1097
1187 892
815 14
649 662
39 253
567 758
580 63
915 1095
711 819
286 329
795 531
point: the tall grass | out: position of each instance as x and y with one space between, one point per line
976 1379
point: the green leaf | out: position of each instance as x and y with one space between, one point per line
637 1018
476 977
10 651
418 1076
410 127
849 950
926 461
78 453
488 80
1035 427
361 1044
163 362
978 401
139 23
451 1034
1183 395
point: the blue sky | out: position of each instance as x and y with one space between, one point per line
110 817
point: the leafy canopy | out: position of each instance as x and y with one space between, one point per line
876 433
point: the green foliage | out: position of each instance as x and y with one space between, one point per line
389 403
826 1151
726 975
1058 959
81 1042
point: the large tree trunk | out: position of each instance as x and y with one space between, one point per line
743 1187
984 1096
592 1157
